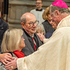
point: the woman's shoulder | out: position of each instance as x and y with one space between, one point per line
2 66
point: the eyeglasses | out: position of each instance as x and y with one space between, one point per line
31 24
38 2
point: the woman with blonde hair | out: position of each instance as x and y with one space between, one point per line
46 16
12 43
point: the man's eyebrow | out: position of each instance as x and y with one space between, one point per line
32 21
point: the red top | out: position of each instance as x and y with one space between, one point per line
19 54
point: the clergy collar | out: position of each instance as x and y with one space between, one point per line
39 10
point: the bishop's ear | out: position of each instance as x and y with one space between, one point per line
57 12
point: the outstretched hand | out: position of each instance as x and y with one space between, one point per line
11 65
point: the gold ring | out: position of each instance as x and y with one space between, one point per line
11 67
4 59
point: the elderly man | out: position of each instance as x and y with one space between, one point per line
38 11
55 53
32 41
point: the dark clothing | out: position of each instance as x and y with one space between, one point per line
29 45
49 34
39 10
47 26
3 28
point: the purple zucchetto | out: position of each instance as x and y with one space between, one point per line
60 3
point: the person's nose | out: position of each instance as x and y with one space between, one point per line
23 39
34 25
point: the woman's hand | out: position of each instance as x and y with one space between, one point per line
5 57
41 36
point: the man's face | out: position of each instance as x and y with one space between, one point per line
29 27
39 4
55 18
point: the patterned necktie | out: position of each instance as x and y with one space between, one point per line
34 43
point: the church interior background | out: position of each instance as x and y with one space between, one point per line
18 7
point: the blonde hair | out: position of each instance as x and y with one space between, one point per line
45 13
11 40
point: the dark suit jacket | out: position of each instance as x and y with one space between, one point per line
29 46
3 28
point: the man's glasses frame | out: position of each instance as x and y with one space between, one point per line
31 24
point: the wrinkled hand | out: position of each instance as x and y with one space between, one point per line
12 64
5 57
41 36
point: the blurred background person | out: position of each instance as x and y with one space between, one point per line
40 29
38 11
3 28
46 16
13 43
49 34
45 38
